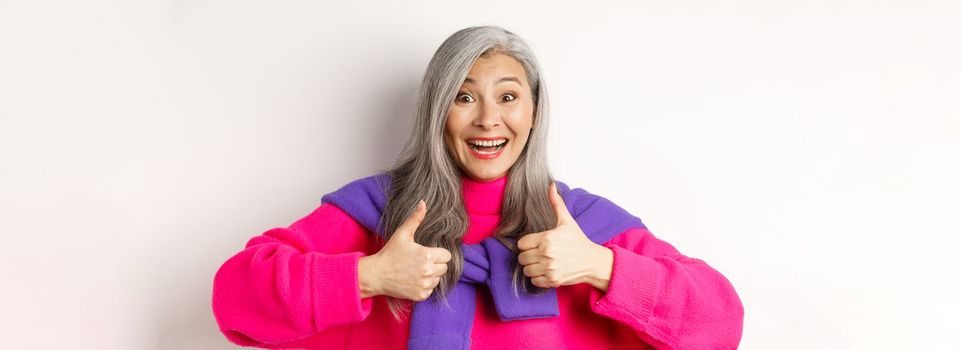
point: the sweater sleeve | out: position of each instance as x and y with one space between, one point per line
670 300
289 283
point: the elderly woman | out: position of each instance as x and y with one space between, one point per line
469 242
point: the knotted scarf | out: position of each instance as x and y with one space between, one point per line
434 325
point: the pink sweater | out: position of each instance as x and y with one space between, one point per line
297 287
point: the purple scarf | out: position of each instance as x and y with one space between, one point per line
435 325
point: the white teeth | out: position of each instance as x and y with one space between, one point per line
481 143
491 152
499 144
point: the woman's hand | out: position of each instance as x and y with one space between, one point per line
564 255
402 268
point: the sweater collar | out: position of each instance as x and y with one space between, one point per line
483 197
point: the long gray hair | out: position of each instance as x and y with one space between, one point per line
425 170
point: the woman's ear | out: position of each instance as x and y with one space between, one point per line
534 118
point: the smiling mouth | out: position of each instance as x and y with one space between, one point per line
487 147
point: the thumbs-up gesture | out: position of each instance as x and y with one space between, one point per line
402 268
564 255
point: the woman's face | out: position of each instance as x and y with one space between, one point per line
491 117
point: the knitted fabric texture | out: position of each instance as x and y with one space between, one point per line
435 325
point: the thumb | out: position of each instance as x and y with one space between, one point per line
560 209
409 227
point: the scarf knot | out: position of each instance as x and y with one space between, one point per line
435 324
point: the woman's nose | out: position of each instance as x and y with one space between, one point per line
489 116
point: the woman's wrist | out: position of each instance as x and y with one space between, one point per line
603 268
367 276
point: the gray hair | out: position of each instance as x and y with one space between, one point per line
425 170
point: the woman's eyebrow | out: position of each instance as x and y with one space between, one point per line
501 80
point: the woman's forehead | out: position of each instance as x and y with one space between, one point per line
496 69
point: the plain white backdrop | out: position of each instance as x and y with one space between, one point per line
808 150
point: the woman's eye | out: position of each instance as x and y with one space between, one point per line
508 97
465 98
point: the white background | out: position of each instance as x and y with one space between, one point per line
808 150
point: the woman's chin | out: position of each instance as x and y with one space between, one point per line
485 174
